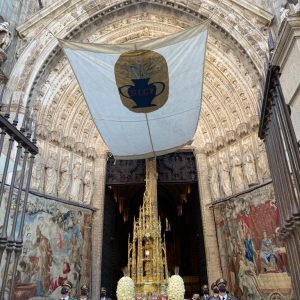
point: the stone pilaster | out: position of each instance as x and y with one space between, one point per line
97 227
209 232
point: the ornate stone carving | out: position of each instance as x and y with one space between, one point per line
76 193
65 178
213 178
55 136
284 12
5 36
224 175
42 131
209 148
177 167
219 142
3 77
249 165
242 129
88 188
254 122
68 142
230 136
51 175
125 171
80 147
91 153
236 171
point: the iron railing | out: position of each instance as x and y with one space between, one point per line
17 149
277 131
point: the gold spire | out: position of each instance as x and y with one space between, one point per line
147 252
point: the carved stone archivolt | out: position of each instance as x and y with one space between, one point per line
230 80
68 139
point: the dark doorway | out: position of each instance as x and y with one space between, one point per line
178 208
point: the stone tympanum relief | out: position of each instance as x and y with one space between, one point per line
254 258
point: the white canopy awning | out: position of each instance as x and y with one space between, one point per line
144 97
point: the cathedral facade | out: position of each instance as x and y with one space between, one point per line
64 225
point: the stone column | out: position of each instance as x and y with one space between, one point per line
209 231
97 224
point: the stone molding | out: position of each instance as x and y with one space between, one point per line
289 32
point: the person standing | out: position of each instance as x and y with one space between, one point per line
196 297
103 294
84 292
215 290
205 291
66 290
222 286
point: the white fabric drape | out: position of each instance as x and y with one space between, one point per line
131 135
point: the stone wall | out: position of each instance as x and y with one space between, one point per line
57 243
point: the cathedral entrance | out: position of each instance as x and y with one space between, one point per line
178 209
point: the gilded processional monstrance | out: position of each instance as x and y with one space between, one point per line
147 258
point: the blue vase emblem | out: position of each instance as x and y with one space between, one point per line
141 92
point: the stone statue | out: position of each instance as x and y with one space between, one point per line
237 172
262 162
284 13
224 174
76 193
65 179
249 166
5 36
38 174
88 188
51 176
213 179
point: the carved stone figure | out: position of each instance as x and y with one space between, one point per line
38 174
213 179
224 174
262 163
76 193
88 188
249 166
237 172
5 36
284 13
51 176
65 179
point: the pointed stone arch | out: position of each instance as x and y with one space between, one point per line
236 53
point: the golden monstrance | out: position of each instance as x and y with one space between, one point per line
147 258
